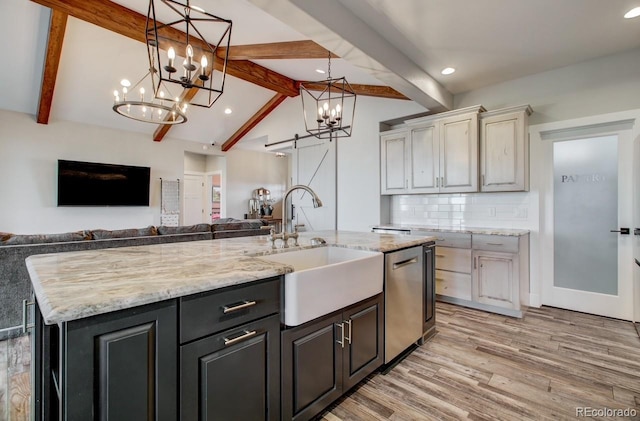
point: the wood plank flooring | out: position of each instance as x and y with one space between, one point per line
15 380
484 366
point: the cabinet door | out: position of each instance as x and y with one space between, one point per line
233 375
363 341
459 154
504 153
424 159
311 367
495 279
393 161
122 365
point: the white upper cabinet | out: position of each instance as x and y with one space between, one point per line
504 150
393 160
459 154
424 153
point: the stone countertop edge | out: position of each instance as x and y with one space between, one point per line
511 232
74 285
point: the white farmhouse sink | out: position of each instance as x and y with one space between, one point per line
326 279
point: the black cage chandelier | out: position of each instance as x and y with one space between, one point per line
185 60
329 107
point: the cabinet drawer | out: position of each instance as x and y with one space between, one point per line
207 313
449 239
453 284
501 243
452 259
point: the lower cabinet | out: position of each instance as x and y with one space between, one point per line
232 375
495 279
119 367
213 355
324 358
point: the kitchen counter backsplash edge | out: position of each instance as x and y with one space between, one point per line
417 229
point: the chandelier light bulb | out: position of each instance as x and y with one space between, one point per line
141 94
325 106
116 94
189 51
171 55
203 62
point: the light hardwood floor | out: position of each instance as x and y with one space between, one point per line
15 381
489 367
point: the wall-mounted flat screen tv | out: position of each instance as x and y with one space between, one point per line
94 184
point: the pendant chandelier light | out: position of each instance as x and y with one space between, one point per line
185 59
138 103
329 106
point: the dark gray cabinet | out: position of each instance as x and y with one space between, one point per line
324 358
429 308
114 366
214 355
233 375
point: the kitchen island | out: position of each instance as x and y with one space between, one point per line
145 324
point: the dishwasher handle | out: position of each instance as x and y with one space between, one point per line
405 263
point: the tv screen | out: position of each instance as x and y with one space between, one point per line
94 184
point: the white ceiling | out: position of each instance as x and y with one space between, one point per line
400 43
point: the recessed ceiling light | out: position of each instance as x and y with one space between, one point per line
633 13
448 70
320 71
228 111
125 83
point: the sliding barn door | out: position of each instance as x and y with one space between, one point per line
314 165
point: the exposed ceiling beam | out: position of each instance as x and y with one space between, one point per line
277 50
131 24
253 121
57 27
364 90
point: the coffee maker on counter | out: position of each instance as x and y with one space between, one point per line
260 204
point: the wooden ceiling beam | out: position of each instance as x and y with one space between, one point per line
364 90
253 121
131 24
57 28
277 50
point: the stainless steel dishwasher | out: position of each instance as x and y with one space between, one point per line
404 297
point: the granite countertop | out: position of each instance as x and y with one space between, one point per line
513 232
74 285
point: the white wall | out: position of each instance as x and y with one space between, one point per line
28 173
593 87
194 162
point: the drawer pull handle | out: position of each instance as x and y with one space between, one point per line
341 341
442 256
245 304
405 263
495 244
245 335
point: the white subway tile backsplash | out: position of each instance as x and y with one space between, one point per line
491 210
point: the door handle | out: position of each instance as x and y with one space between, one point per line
348 338
341 341
624 231
245 335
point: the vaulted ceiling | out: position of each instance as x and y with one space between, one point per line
386 48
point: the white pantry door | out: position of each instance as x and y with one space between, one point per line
314 165
586 197
193 199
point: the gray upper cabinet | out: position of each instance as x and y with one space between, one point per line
393 145
459 154
433 154
504 150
